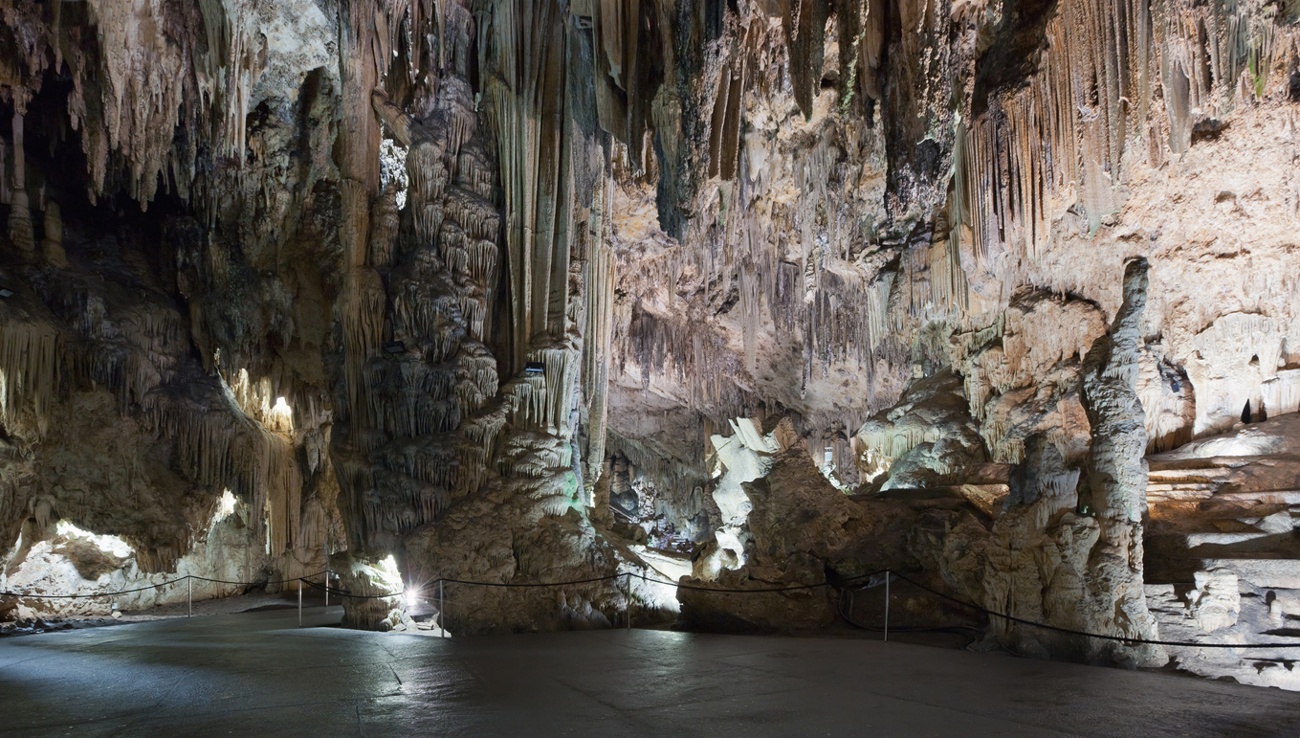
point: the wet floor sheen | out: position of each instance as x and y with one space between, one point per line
257 674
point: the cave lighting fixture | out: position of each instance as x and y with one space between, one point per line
534 367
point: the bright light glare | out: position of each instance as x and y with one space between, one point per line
387 574
281 416
110 544
411 596
225 508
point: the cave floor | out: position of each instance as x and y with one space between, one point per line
257 674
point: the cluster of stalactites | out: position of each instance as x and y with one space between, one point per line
218 448
783 206
689 353
559 275
527 108
599 279
644 459
1114 75
149 73
28 372
217 445
423 401
623 34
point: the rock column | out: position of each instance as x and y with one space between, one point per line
1070 554
20 216
1117 475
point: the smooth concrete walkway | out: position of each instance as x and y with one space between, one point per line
256 674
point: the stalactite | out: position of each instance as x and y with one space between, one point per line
1112 73
626 37
806 30
693 355
363 321
599 270
52 244
29 370
526 110
150 85
219 449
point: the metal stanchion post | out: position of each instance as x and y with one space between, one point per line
327 586
189 581
442 608
628 593
299 603
888 574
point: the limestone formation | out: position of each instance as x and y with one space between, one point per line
924 439
1090 579
1116 471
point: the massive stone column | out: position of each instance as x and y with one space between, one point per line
1116 481
1070 555
20 216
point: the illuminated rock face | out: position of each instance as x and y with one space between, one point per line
443 279
1069 554
1221 549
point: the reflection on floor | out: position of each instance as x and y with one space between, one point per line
258 674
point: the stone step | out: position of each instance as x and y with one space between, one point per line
1211 468
1217 538
1227 501
1179 493
1188 476
1276 496
1182 486
1167 562
1261 571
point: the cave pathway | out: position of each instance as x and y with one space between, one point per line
258 674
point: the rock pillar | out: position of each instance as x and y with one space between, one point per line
1116 475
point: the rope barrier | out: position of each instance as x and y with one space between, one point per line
534 584
258 584
966 630
571 582
344 593
791 588
1071 631
1012 618
91 595
721 590
96 594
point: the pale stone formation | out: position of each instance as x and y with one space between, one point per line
1221 550
924 440
52 244
1075 559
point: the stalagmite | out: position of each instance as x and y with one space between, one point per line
1117 470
